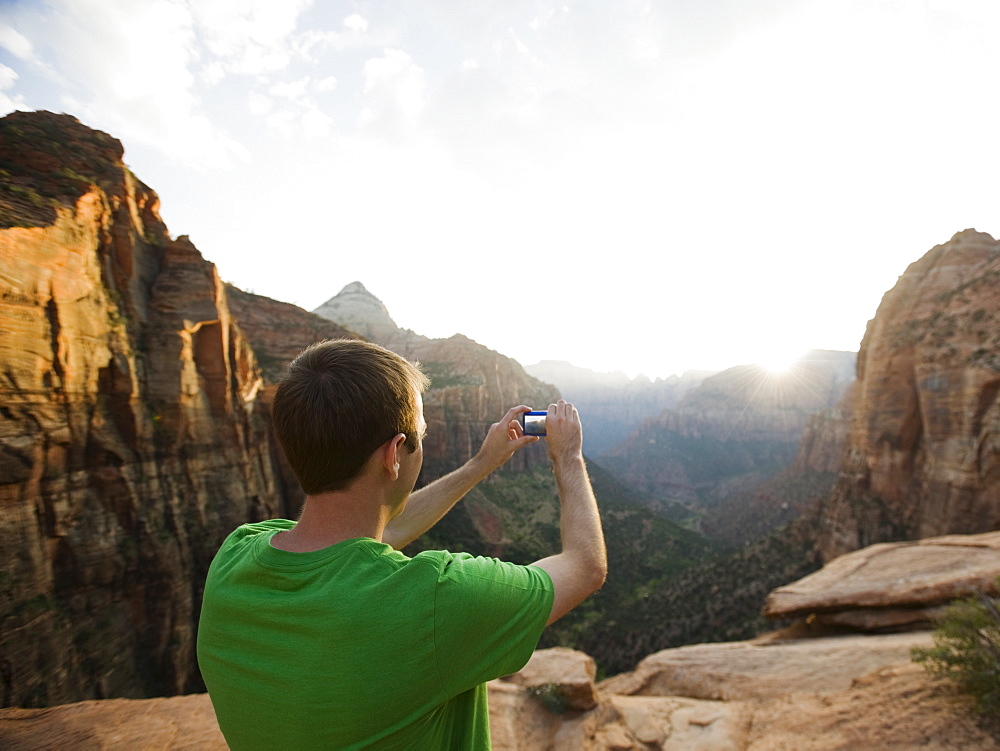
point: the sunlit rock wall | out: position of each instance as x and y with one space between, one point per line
130 435
923 455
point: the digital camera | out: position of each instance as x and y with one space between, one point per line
533 423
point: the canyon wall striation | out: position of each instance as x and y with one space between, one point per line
923 444
131 439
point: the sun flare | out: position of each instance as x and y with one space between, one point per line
778 361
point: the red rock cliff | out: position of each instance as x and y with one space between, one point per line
130 440
923 455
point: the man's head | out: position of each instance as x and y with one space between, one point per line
340 400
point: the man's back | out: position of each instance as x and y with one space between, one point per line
356 645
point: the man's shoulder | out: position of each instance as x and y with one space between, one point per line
458 566
252 529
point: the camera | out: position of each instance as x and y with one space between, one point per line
533 423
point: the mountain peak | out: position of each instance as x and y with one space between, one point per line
359 310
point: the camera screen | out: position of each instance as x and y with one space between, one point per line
534 423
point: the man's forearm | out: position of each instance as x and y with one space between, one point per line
426 506
579 519
582 565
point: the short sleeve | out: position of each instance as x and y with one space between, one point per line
488 617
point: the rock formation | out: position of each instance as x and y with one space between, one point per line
131 440
892 586
359 310
923 455
278 332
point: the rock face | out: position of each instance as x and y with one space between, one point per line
892 585
359 310
130 442
824 439
923 455
278 332
613 404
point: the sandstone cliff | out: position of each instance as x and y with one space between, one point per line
130 441
923 455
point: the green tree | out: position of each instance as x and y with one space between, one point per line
967 649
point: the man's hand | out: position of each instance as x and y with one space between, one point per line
563 432
503 440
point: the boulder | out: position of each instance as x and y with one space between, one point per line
892 585
763 669
565 676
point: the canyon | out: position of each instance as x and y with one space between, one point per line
135 434
718 458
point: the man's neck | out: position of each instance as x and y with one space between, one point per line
329 518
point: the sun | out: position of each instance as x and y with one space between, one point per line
778 361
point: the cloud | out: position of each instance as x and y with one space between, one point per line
8 77
294 90
249 36
16 43
394 88
356 23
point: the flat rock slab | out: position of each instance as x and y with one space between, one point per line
177 723
756 670
894 575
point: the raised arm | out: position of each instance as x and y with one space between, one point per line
426 506
582 566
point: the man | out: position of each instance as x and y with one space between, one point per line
320 634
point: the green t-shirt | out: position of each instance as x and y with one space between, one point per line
359 646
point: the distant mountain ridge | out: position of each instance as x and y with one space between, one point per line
731 433
613 404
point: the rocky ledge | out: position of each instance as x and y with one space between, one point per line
830 693
806 687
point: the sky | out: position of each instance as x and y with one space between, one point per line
640 186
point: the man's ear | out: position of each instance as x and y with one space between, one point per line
390 456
